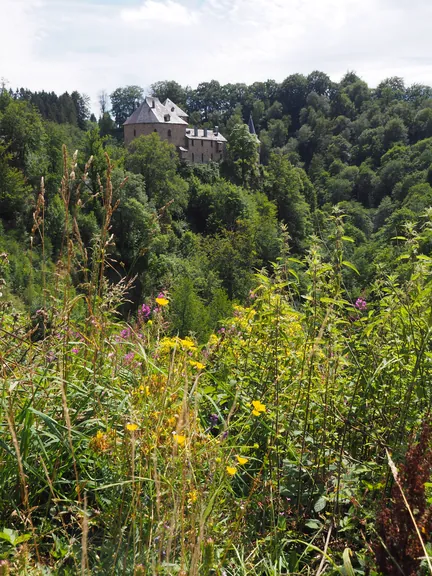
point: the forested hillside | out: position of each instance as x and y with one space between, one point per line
206 229
209 369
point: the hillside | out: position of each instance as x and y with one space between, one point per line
223 368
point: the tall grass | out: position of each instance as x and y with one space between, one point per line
128 450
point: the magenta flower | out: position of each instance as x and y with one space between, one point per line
128 357
145 311
74 350
360 304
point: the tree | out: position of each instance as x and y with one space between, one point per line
21 127
106 124
124 101
319 82
293 92
243 153
158 161
82 108
169 89
103 101
278 131
14 193
283 185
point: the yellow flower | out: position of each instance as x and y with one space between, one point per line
258 408
179 439
162 301
231 470
131 427
172 420
193 496
241 460
187 343
196 365
256 446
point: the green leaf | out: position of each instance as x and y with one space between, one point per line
320 504
349 265
348 239
314 524
348 569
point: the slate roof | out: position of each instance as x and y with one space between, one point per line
159 114
174 108
190 133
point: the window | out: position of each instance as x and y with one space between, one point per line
193 142
134 132
193 157
211 156
202 157
155 130
169 134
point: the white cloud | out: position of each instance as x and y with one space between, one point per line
79 44
168 12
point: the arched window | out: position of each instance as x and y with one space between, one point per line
202 157
169 133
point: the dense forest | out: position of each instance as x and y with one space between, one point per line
207 369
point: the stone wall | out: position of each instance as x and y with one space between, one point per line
172 133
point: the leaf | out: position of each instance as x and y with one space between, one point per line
8 535
320 504
398 238
348 569
348 239
314 524
349 265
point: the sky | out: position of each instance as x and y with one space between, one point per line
94 45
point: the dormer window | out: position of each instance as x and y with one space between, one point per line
172 109
167 117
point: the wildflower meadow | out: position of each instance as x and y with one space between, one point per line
295 439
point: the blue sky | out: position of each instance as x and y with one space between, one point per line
93 45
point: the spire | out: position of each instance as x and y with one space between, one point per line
251 125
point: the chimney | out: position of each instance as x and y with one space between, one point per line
205 132
195 130
216 130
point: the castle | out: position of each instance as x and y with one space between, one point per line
194 145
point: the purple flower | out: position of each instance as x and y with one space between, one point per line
125 333
51 356
74 350
127 358
145 311
221 331
360 304
214 419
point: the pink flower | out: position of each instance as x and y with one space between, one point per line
360 304
74 350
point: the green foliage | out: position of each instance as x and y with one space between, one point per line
124 101
157 162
